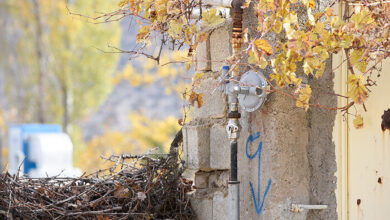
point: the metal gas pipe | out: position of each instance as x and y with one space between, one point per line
233 127
251 98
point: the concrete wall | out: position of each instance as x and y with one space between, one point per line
295 158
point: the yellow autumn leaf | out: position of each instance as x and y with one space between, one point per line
358 60
311 4
172 8
321 70
320 53
278 26
270 4
202 37
246 3
198 98
263 45
279 79
307 67
356 56
175 29
123 3
263 62
188 65
161 10
291 79
336 22
361 66
329 12
211 18
361 18
252 58
304 98
356 89
196 78
142 33
358 122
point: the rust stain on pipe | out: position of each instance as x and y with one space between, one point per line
237 33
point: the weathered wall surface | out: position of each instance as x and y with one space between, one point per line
321 152
285 155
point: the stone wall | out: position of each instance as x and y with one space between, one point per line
291 151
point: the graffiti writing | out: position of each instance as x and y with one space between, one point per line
258 205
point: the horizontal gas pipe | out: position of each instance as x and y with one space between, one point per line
223 12
302 207
233 127
219 3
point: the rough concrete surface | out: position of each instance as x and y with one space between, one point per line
284 136
220 47
219 148
322 157
296 157
214 101
196 147
202 58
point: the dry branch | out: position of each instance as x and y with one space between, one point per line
146 188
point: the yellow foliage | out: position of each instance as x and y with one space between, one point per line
358 122
311 4
362 18
278 26
211 18
142 33
4 156
308 45
359 60
175 29
256 58
195 97
357 91
196 78
123 3
279 78
304 97
263 45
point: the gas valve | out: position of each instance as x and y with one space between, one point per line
250 91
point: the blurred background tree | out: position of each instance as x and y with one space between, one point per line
144 133
54 69
56 60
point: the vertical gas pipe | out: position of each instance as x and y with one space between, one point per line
233 115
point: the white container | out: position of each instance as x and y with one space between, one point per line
52 153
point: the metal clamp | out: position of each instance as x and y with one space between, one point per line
232 129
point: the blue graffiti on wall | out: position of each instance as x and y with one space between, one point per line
258 206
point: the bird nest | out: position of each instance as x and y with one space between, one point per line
136 187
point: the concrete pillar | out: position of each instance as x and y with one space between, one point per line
280 161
